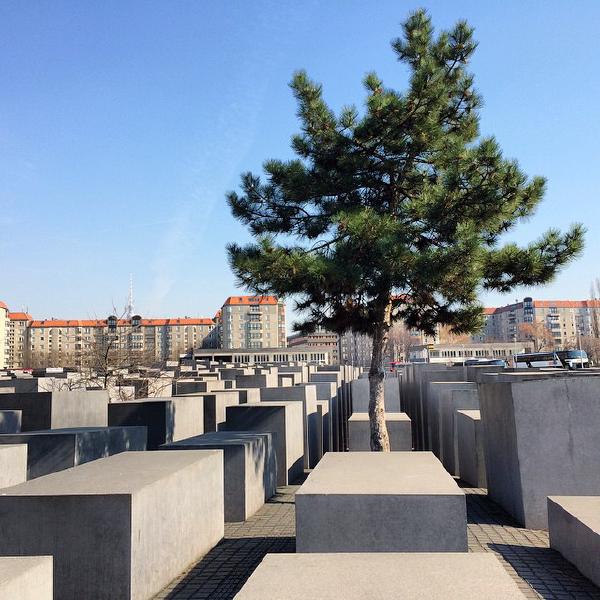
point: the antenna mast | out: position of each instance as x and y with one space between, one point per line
129 310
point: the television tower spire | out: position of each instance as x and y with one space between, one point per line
129 310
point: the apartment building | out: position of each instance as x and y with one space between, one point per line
321 339
18 339
69 342
564 320
253 322
4 348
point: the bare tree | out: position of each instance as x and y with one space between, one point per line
538 333
400 341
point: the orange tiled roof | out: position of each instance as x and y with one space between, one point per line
177 321
249 300
2 305
546 304
566 303
19 316
120 322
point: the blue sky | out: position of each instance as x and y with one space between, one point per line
123 124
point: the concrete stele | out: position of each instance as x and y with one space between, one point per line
380 502
382 575
118 527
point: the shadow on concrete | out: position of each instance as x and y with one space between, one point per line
483 511
223 571
547 572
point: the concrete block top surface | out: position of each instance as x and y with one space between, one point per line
123 473
269 405
381 575
376 473
71 431
12 567
471 414
389 416
584 508
220 438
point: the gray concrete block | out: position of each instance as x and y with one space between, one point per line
541 439
167 419
458 399
215 406
441 403
184 386
284 420
13 464
248 395
250 468
257 381
360 394
398 426
10 421
380 502
419 411
574 524
307 396
26 578
56 410
468 434
118 527
326 434
53 450
288 379
329 391
382 575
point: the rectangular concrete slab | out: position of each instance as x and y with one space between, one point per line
381 576
54 410
398 427
458 399
53 450
468 435
380 502
250 468
284 420
167 419
541 439
440 415
359 388
13 464
307 395
574 524
10 421
118 527
25 578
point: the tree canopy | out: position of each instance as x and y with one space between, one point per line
397 210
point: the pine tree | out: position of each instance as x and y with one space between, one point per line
395 212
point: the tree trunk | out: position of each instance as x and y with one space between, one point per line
379 435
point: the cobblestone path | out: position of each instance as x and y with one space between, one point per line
539 571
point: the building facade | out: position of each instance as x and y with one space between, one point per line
321 339
73 342
253 322
18 339
4 349
563 321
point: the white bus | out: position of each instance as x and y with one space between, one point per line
573 359
532 360
565 359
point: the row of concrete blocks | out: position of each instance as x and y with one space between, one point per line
118 527
166 421
371 525
536 436
44 452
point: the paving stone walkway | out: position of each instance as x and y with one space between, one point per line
539 571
